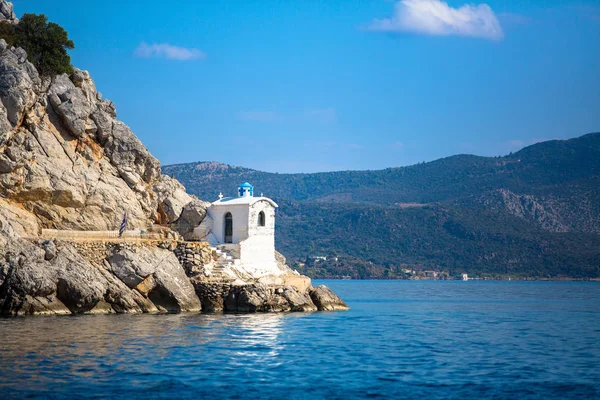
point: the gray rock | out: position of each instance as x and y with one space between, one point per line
49 249
127 153
326 300
266 298
18 83
172 291
171 198
7 13
72 105
191 216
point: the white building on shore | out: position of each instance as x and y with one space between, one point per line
244 227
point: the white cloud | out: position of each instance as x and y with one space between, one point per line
435 17
168 51
259 116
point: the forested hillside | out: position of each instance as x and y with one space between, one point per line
533 213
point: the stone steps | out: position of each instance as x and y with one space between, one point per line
223 261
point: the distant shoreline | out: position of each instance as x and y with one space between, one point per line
460 280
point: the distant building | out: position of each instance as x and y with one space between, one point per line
431 274
465 277
244 226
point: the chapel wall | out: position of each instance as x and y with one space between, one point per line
239 214
253 228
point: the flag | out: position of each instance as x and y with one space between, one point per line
123 226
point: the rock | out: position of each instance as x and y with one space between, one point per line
203 231
172 291
128 154
83 81
49 249
72 105
212 296
171 198
67 283
298 301
325 299
191 216
55 165
5 127
7 13
265 298
18 83
147 285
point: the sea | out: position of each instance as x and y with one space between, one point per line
401 339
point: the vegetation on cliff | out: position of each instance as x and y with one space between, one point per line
46 43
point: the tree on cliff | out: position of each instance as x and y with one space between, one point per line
46 43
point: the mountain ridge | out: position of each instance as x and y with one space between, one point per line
549 190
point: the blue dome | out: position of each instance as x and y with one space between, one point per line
245 189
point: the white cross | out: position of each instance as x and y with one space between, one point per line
220 195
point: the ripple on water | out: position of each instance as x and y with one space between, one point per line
401 339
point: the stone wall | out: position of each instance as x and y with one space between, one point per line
96 251
194 257
73 235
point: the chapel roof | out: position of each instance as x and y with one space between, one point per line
249 200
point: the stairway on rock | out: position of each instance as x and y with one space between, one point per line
223 261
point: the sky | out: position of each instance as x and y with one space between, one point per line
322 85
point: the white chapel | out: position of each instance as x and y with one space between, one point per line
244 226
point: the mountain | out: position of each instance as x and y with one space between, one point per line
534 213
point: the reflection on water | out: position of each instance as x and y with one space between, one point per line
255 338
401 339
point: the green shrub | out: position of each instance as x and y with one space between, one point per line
46 43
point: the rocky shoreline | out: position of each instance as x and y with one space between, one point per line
67 164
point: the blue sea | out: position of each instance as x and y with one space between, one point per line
402 339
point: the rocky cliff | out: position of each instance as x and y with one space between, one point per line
68 163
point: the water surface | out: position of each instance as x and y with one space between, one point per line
401 339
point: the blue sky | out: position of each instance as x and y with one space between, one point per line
324 85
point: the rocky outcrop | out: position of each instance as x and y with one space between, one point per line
45 277
551 212
66 158
325 299
157 274
7 13
266 298
191 217
68 164
253 298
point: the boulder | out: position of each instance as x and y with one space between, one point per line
72 105
191 216
326 300
7 13
31 282
171 289
19 81
266 298
171 197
